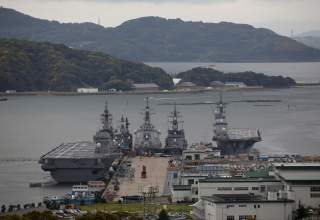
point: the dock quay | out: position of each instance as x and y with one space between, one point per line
135 181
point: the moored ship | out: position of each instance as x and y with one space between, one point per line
175 140
147 137
232 141
83 161
123 137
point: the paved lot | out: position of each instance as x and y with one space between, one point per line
156 175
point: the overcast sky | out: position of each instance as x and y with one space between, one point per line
281 16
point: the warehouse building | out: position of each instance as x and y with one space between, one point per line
242 207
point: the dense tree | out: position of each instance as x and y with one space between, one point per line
163 215
204 76
160 39
26 65
3 208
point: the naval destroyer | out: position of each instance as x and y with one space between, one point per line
175 140
232 141
83 161
123 137
147 137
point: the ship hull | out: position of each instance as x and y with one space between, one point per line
78 175
235 147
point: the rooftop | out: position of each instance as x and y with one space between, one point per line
241 198
239 179
297 166
145 85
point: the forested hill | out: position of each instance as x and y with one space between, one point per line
159 39
30 66
204 76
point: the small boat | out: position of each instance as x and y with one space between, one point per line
3 99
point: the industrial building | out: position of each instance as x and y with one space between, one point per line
145 87
242 207
197 186
301 181
87 90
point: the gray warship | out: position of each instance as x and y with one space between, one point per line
147 137
83 161
232 141
123 137
175 140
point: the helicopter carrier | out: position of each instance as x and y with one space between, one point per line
147 137
175 141
83 161
232 141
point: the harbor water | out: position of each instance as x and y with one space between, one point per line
32 125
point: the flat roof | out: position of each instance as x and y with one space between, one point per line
242 198
297 166
76 150
239 179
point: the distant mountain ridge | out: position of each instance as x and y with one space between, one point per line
33 66
310 38
159 39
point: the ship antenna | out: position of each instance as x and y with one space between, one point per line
175 118
147 116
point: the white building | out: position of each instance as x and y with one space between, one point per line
236 84
185 188
192 187
238 185
242 207
87 90
302 181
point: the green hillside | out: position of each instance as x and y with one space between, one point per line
30 66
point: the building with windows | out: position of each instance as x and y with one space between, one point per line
238 185
301 181
242 207
193 187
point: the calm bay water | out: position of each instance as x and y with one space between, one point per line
32 125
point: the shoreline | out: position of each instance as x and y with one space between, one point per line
74 93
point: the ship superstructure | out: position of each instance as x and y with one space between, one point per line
123 137
83 161
232 141
147 137
104 138
175 140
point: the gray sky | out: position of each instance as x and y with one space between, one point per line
278 15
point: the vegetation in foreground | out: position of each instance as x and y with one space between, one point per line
108 211
137 207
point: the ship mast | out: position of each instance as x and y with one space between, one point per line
106 119
220 123
174 119
147 120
